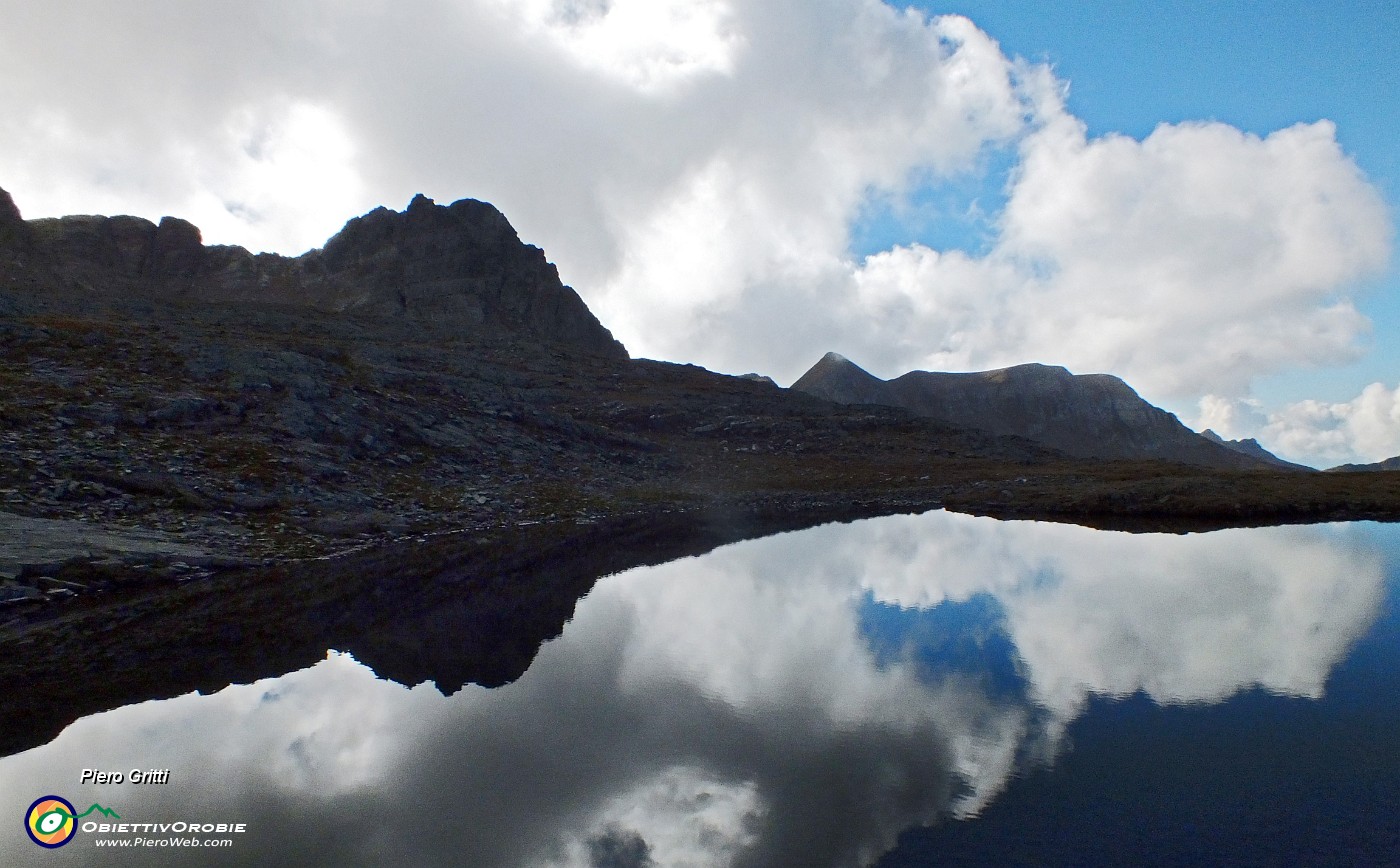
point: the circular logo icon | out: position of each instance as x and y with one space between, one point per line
50 822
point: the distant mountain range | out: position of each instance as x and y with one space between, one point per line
1083 415
1387 464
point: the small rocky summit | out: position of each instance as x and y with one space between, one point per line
1083 415
1249 446
459 268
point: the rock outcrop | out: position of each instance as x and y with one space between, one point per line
1249 446
1083 415
9 213
456 269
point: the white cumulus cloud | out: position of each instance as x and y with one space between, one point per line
1323 434
1197 259
1366 428
1362 430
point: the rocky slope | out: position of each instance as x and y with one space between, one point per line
1083 415
458 269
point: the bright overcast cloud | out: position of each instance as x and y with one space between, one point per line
696 170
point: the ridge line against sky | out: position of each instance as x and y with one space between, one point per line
1198 198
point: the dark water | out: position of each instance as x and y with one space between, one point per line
930 690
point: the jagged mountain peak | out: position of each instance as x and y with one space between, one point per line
459 268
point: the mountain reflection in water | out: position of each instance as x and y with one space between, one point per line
796 700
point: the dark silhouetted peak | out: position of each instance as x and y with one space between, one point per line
1251 447
837 378
1086 415
759 378
9 213
462 264
459 268
178 251
173 233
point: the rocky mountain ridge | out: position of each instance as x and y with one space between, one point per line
1379 466
1084 415
1251 447
458 269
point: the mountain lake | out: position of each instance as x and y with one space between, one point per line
922 690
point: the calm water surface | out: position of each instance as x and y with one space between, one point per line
915 690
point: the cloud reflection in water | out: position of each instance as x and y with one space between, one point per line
791 701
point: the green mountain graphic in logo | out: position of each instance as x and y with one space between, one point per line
106 812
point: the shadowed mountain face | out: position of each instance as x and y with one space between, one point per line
1084 415
459 268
